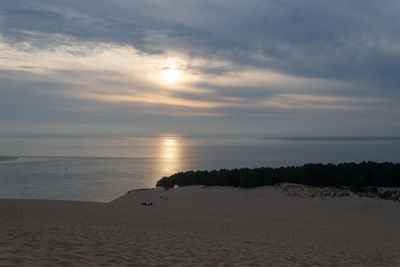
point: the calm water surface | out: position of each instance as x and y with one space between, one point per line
103 169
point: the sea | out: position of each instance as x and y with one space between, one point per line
102 169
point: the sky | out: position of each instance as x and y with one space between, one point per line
200 68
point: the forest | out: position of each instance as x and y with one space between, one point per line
354 175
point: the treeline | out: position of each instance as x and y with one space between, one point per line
364 174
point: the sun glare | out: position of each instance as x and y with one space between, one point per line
169 148
170 75
169 142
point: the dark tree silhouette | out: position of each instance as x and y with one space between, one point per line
356 175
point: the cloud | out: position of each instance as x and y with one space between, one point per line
45 28
238 60
322 39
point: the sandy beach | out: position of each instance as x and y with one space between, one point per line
212 226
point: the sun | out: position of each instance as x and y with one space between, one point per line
171 75
171 71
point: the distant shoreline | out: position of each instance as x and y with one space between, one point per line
336 138
7 158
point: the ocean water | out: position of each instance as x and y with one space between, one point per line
103 169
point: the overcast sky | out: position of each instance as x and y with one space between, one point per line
200 68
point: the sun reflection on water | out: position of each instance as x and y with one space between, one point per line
170 153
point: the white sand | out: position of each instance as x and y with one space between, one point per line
211 226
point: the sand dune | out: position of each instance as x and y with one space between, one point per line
213 226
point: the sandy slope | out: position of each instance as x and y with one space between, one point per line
202 226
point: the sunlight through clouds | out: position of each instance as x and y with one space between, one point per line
119 74
171 71
229 64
